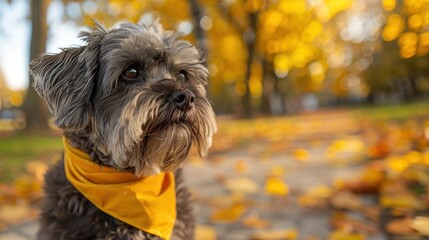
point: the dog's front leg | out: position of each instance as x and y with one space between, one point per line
65 214
185 224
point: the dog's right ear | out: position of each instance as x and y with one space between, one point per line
66 80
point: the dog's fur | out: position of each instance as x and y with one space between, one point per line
144 125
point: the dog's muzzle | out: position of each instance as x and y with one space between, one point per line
183 99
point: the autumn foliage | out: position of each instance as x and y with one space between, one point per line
265 56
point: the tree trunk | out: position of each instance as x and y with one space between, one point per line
250 40
197 15
35 109
268 81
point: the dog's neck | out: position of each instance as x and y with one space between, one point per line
81 140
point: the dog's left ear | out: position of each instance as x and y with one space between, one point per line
66 80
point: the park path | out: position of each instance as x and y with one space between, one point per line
283 213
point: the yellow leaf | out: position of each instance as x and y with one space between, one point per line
37 169
276 186
320 192
254 221
229 214
400 227
347 145
241 185
344 235
27 187
421 224
401 201
277 171
275 235
395 194
315 196
346 200
205 232
16 213
301 154
309 201
241 166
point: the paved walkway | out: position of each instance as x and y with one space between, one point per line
282 213
24 231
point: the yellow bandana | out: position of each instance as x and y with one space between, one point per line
147 203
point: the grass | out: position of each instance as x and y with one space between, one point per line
396 112
20 149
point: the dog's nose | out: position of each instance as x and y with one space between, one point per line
183 99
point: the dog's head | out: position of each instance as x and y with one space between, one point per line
137 91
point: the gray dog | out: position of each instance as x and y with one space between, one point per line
132 101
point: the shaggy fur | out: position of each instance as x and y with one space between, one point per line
134 99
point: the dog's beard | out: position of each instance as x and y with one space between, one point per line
153 136
165 149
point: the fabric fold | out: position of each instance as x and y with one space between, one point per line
147 203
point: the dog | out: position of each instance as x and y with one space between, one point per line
131 103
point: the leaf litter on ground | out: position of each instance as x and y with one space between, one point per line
395 176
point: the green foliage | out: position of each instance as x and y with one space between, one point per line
16 151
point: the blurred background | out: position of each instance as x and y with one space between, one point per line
322 108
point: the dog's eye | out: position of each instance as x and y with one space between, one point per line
182 75
131 73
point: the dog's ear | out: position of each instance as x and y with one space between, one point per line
66 80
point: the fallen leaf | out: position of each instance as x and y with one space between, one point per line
346 200
362 187
401 201
229 214
400 227
28 188
275 186
301 154
241 185
309 201
370 180
340 220
275 235
400 212
315 197
397 164
351 145
339 184
241 166
204 232
380 149
277 171
409 201
345 235
15 213
37 169
8 194
372 213
421 224
320 191
254 221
